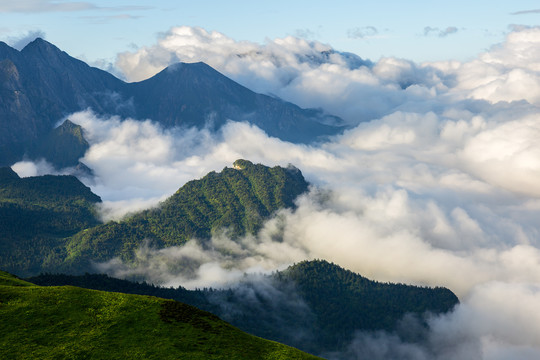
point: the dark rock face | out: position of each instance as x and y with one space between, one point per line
63 146
197 95
41 85
38 87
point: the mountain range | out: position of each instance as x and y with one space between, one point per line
41 85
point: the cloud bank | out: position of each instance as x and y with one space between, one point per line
436 182
312 74
417 198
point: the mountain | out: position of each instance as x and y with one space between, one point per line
49 223
315 306
41 85
237 199
345 302
196 94
69 322
65 144
37 214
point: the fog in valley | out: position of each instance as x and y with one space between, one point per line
435 182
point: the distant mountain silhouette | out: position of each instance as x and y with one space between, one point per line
41 85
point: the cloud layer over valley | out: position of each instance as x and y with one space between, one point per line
437 181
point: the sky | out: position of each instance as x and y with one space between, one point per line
420 30
436 182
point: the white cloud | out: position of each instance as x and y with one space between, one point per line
414 198
30 168
435 184
21 41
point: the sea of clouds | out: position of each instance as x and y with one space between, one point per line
437 181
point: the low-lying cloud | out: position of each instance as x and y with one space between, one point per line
417 198
313 74
436 182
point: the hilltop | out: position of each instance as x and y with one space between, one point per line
70 322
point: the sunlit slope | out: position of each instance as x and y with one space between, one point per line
74 323
315 305
237 199
49 223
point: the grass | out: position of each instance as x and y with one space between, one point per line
67 322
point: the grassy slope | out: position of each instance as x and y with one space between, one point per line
73 323
337 303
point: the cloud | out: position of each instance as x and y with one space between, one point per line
362 32
107 19
523 12
37 6
308 73
435 183
40 6
418 198
31 168
312 74
428 30
305 33
21 41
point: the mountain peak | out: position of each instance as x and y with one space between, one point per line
41 46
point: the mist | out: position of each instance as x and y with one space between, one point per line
436 183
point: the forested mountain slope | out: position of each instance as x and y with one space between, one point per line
49 223
37 214
315 306
42 85
236 199
73 323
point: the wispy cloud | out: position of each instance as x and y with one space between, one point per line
523 12
40 6
36 6
19 42
305 33
428 30
362 32
107 19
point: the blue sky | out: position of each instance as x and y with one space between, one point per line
416 30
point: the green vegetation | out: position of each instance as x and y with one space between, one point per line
11 280
315 306
49 223
74 323
36 215
344 301
234 200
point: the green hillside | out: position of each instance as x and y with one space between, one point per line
344 301
238 199
49 223
8 279
315 306
37 214
74 323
